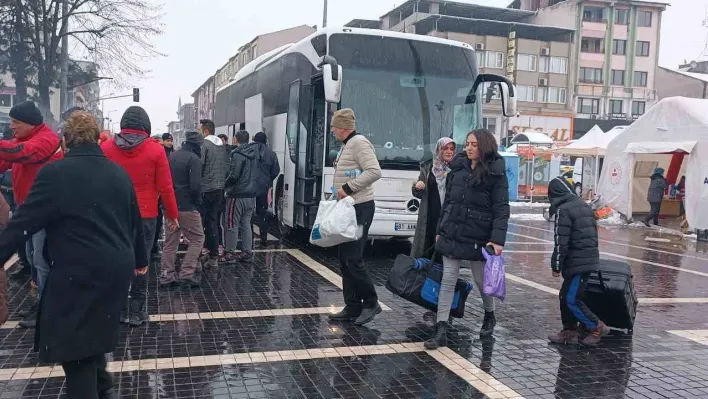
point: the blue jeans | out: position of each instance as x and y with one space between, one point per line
39 265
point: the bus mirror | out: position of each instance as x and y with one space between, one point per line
332 78
508 96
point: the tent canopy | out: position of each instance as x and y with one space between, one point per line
673 124
532 138
592 144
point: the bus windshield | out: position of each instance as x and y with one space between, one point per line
406 94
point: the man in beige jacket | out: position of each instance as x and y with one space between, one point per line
355 171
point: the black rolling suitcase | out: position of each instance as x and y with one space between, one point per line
610 295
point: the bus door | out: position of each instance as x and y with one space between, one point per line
290 159
254 114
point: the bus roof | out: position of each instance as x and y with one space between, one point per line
273 55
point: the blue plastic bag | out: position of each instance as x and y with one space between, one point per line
494 278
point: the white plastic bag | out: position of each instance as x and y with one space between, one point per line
335 223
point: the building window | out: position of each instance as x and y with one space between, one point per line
642 49
616 107
644 18
490 124
526 62
496 95
619 47
554 65
526 93
590 75
641 79
588 106
621 16
594 14
480 59
592 45
5 100
617 78
638 108
494 59
552 95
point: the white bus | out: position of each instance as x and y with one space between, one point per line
407 91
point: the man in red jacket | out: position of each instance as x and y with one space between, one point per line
33 146
146 163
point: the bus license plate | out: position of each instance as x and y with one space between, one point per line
404 226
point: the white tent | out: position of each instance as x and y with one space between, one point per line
592 144
674 124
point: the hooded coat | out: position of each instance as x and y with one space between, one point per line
657 187
243 172
95 242
27 155
575 234
474 213
215 164
268 168
146 163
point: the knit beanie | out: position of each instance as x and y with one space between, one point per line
135 118
28 113
344 119
166 136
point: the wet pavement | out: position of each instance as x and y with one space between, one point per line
260 331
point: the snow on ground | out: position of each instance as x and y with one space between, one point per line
528 216
529 204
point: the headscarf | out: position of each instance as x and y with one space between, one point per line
440 166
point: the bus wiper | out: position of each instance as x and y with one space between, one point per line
399 163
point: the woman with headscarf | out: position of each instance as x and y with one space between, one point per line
430 189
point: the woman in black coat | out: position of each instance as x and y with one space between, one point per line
475 214
95 245
430 189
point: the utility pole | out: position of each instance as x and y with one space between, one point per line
324 15
64 73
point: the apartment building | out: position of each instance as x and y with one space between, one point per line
539 59
617 51
204 95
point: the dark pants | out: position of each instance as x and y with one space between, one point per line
87 378
139 285
654 213
158 228
573 309
359 291
212 207
261 217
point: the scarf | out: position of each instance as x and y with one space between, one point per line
440 168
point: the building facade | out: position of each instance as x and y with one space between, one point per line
672 83
538 59
204 96
617 49
204 100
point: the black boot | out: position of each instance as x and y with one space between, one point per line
488 324
138 315
440 338
124 317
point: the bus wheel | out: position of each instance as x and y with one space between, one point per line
284 229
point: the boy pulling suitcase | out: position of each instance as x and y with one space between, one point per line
575 256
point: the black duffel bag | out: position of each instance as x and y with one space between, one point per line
418 281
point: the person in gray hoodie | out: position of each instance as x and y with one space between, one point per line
214 171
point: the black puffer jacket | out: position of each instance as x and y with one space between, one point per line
473 213
576 250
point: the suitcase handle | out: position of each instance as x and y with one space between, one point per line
602 283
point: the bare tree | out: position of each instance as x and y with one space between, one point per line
116 34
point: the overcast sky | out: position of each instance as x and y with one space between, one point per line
201 35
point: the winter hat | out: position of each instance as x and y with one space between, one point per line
659 171
344 119
28 113
135 118
192 136
166 136
260 137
